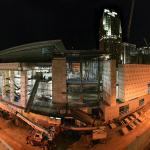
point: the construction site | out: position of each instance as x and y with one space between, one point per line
74 92
53 98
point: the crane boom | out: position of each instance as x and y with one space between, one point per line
32 124
130 18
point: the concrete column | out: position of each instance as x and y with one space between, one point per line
109 82
3 85
81 78
124 56
5 82
113 82
12 86
24 82
59 86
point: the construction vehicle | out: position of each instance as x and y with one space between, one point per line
100 134
37 138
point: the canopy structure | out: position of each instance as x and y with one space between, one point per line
34 52
43 52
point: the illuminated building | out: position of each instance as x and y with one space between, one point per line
144 55
110 32
48 76
128 53
144 50
56 78
125 89
111 40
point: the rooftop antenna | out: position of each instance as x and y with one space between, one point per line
130 19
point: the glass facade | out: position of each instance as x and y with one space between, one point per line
111 24
110 34
43 95
82 81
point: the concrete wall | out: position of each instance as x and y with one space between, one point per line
133 80
120 81
111 112
109 82
59 80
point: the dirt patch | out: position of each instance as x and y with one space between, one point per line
15 136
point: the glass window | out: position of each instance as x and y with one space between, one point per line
149 88
124 109
141 102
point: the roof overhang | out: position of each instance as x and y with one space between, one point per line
44 52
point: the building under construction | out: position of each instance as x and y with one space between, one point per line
45 79
44 85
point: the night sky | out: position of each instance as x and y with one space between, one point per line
73 21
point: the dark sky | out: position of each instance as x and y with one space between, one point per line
74 21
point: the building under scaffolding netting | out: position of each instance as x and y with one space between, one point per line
43 77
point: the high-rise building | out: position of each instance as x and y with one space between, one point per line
110 32
111 23
110 41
